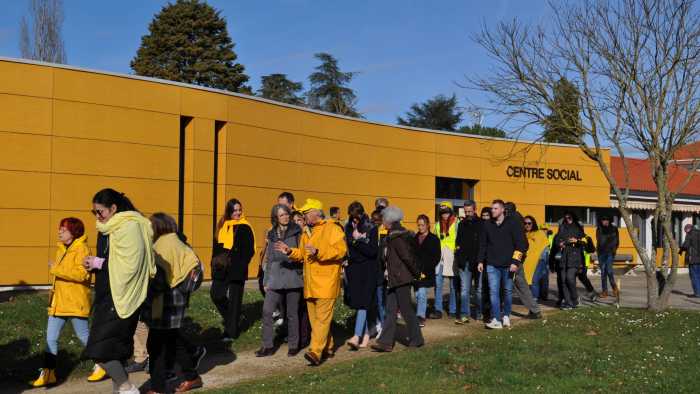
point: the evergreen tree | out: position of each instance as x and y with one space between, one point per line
277 87
329 89
188 42
477 129
438 113
563 124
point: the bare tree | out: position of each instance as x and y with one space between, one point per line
636 64
40 38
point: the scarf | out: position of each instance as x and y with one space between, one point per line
131 262
175 258
446 224
226 233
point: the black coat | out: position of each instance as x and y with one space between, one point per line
504 244
111 337
241 253
572 253
608 239
427 258
467 243
399 256
362 271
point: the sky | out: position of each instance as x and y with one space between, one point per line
405 51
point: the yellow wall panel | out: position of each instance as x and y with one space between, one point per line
256 141
454 145
93 121
203 196
24 227
24 190
453 166
201 104
203 135
269 116
248 171
25 266
26 79
21 114
202 166
25 152
114 159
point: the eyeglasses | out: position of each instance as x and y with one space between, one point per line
528 223
97 212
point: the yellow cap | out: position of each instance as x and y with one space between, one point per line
311 203
446 204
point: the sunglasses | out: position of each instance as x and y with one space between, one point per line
528 223
97 212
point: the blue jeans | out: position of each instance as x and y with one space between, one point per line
439 281
380 304
605 262
500 277
694 270
465 279
540 279
479 277
421 301
55 325
361 323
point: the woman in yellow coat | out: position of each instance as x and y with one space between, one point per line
536 261
69 298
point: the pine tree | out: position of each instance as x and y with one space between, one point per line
563 125
188 42
329 88
277 87
439 113
486 131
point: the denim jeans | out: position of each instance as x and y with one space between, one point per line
361 323
380 304
421 301
605 261
479 277
54 326
540 280
694 270
500 278
465 279
439 282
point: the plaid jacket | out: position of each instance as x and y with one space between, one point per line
165 307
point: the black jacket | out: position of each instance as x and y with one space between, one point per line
504 244
572 253
362 270
608 239
691 247
467 243
427 258
399 256
240 255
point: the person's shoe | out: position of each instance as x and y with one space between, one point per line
292 352
566 307
327 354
378 347
312 358
353 343
265 352
128 388
534 315
594 297
365 342
226 338
188 385
506 321
436 315
604 294
421 321
47 377
98 374
153 392
462 320
133 366
170 376
198 356
494 325
616 292
559 303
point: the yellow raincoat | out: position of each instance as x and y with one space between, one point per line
538 243
70 293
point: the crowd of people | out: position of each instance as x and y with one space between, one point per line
144 273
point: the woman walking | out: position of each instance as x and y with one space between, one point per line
536 264
69 298
608 240
569 243
427 258
446 230
361 272
234 247
123 267
398 253
283 282
179 274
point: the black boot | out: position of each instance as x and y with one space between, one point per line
49 360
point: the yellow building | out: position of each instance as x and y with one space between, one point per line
65 133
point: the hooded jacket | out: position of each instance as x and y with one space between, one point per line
70 290
399 255
691 247
608 239
572 252
281 272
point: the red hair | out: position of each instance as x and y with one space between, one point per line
74 226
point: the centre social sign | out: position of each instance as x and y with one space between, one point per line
556 174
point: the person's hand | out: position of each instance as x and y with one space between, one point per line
357 235
282 247
513 268
561 245
480 267
310 249
573 240
86 262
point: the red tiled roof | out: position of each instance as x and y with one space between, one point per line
690 151
641 180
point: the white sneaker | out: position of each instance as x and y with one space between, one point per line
128 388
506 321
494 324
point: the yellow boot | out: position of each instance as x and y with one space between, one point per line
47 377
98 374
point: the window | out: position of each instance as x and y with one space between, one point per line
454 190
676 229
587 216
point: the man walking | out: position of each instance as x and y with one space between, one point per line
466 253
501 250
691 247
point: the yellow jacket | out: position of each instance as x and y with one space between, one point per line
70 293
538 242
322 270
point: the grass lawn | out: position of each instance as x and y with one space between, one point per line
590 349
23 330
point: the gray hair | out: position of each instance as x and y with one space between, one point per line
273 213
392 214
381 202
470 203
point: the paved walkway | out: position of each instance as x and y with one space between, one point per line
227 368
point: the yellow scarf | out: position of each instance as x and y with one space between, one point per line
131 262
175 258
537 241
226 234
